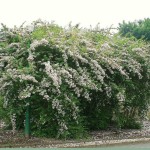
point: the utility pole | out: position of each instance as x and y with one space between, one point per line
27 121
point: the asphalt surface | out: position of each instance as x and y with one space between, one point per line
135 145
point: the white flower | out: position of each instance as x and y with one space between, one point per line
121 96
31 57
52 74
105 46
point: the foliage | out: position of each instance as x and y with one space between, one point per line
74 80
139 29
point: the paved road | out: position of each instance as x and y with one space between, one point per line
135 145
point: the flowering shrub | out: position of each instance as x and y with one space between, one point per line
74 79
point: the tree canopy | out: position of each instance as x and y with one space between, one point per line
139 29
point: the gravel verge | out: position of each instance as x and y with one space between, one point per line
97 139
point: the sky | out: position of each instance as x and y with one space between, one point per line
84 12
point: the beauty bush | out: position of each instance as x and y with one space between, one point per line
74 79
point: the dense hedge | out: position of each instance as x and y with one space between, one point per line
74 80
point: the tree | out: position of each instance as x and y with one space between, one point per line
139 29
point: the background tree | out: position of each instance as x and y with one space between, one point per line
139 29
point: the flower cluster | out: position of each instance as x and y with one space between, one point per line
37 43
